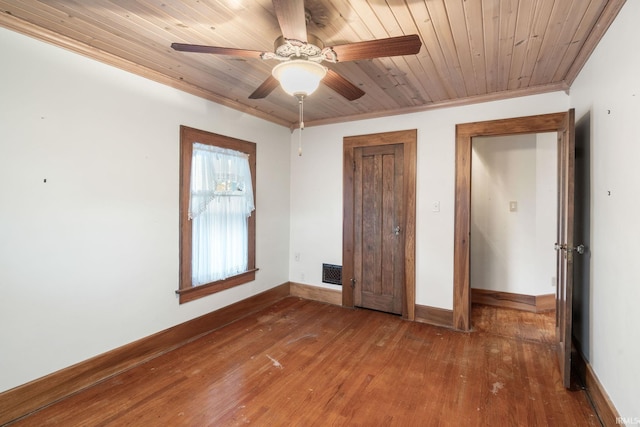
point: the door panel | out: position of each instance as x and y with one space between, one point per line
565 247
379 236
350 258
581 235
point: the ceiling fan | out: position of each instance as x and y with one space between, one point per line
300 54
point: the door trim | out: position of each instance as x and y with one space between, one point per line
408 139
465 132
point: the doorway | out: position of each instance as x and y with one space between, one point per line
465 133
563 124
513 221
379 202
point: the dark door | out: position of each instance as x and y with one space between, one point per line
566 246
582 235
378 228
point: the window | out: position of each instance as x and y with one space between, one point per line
217 213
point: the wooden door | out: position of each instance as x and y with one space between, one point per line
565 248
403 152
379 227
582 235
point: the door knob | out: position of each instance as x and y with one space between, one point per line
396 230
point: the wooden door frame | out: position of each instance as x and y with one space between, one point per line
408 139
554 122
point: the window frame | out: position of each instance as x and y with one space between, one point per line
188 136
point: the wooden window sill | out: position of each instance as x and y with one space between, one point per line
193 293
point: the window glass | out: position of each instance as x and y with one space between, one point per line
221 202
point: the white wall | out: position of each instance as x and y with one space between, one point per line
89 259
512 250
316 189
546 212
606 94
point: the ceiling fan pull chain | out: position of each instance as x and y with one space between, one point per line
301 104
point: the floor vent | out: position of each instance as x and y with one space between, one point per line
332 274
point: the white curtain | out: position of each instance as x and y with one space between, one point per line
220 203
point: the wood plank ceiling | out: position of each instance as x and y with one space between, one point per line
472 50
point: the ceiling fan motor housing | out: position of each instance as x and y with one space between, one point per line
289 48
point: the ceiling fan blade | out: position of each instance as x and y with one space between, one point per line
182 47
292 19
265 88
393 46
341 85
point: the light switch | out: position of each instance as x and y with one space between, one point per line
513 206
435 207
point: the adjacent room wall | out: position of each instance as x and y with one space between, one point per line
89 206
546 212
606 96
512 246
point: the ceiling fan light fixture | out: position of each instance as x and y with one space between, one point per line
299 77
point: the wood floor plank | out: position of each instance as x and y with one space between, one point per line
307 363
507 322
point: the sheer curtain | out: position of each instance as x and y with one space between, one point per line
220 203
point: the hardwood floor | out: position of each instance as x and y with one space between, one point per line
305 363
513 323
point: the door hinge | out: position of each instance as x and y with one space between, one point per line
354 165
